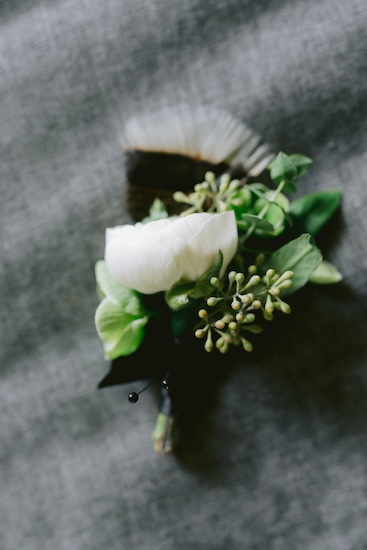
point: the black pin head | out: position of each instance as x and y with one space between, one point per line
133 397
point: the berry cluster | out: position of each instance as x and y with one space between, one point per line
232 307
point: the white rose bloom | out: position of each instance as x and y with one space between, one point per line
152 257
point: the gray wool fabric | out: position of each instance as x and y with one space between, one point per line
278 459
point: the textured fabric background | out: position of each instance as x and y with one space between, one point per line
279 459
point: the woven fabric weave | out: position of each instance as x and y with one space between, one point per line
278 459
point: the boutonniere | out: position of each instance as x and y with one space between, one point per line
221 241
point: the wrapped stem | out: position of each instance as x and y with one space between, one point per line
164 435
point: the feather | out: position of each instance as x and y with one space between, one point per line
172 149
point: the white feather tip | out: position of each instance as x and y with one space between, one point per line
203 133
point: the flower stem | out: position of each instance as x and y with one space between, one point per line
164 435
264 210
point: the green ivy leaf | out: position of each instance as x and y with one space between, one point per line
283 169
276 213
311 212
287 169
203 286
157 211
120 317
300 256
259 223
240 202
179 295
326 274
121 332
301 162
109 287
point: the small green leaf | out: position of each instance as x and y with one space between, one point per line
326 274
203 286
301 162
157 211
124 297
300 256
178 295
259 223
287 169
121 332
276 213
240 201
283 169
311 212
121 316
